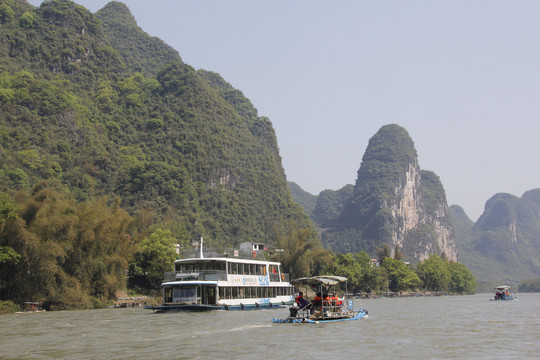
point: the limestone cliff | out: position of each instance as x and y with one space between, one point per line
394 202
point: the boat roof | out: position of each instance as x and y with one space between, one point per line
324 279
195 282
502 287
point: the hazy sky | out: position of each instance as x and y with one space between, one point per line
463 77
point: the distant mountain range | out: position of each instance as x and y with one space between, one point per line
395 202
503 246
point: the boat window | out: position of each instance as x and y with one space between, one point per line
185 294
235 293
241 293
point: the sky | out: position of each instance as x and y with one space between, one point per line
462 77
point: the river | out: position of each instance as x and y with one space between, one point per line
449 327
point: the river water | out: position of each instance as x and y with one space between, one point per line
449 327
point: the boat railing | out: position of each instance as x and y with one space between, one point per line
207 275
224 253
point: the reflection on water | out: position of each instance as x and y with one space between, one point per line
469 327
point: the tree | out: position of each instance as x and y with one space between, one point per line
462 280
383 253
400 277
296 244
434 274
346 265
156 256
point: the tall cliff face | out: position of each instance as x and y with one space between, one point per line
394 202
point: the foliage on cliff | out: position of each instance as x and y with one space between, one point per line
306 200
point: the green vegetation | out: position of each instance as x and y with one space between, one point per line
303 257
306 200
8 307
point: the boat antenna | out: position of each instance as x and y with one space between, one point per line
202 256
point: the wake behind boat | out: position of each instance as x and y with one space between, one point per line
325 307
226 280
502 293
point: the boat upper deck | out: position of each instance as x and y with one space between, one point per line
220 265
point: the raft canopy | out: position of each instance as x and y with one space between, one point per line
502 287
325 279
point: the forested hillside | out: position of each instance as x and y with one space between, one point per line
108 139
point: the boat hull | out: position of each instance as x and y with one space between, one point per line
196 307
357 315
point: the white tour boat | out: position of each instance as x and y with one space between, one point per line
227 280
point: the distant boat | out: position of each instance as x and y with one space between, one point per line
31 307
325 307
502 293
234 280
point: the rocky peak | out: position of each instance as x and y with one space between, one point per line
397 203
